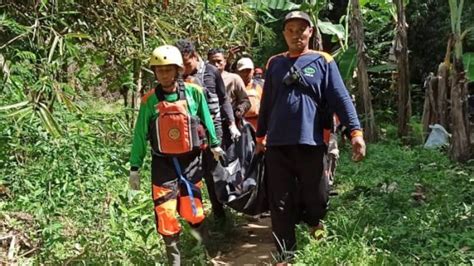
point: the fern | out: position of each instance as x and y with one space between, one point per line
8 24
25 55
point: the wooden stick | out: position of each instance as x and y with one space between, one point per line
6 237
11 250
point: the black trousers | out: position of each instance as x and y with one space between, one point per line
296 190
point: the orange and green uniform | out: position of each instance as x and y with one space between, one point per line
171 196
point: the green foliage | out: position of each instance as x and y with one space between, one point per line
347 62
63 149
61 55
75 187
468 61
425 217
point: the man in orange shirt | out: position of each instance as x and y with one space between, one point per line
245 69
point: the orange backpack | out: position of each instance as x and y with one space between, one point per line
175 131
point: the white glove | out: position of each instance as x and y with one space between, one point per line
234 132
218 152
134 180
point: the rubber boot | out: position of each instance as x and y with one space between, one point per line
172 249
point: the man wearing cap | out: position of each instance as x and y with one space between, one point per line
234 85
301 86
245 69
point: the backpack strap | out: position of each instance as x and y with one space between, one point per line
181 89
186 182
325 116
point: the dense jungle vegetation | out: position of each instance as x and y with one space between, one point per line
71 73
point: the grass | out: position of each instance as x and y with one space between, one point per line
69 200
425 218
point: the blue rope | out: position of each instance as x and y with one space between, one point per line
187 183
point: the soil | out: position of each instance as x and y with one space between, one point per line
253 245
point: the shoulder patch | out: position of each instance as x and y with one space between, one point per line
326 56
273 57
147 95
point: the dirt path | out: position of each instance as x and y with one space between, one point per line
252 246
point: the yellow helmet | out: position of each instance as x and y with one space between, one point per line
166 55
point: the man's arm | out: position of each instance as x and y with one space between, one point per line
139 143
338 98
224 100
205 116
265 106
242 99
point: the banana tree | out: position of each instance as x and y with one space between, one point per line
403 80
358 36
460 146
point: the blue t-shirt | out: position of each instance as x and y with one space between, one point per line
289 113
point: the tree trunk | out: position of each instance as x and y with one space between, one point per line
460 145
442 102
124 92
317 43
165 4
401 52
429 108
357 32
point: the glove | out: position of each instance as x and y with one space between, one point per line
134 180
218 152
234 132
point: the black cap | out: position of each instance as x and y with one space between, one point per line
298 15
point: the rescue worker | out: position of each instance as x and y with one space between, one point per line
245 69
301 87
176 178
208 76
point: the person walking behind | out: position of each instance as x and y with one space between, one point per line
245 69
234 84
208 76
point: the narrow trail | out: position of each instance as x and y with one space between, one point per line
253 245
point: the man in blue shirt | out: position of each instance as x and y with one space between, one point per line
302 87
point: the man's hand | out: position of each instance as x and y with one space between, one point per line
259 148
218 152
358 148
238 114
234 131
232 52
134 180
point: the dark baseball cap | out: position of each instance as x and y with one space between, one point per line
298 15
